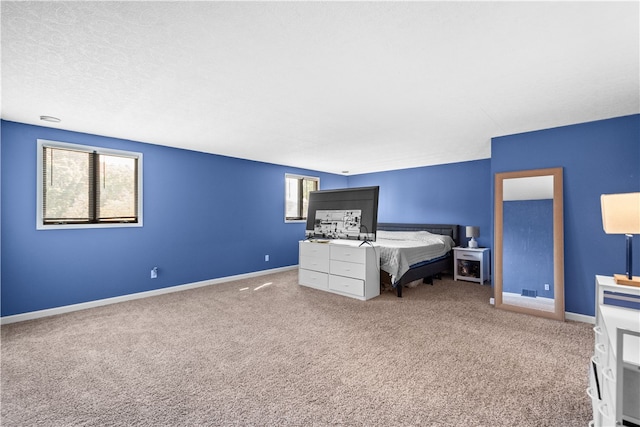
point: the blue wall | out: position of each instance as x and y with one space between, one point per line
205 217
208 216
456 193
527 245
598 157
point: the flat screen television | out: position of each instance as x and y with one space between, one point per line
347 213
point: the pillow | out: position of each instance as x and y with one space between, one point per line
419 236
416 236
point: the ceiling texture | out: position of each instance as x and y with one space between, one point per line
341 87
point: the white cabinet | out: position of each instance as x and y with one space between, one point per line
471 264
614 377
341 267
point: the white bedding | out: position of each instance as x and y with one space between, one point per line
399 250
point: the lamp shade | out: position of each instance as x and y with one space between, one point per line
620 213
473 231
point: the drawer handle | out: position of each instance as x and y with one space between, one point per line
596 360
591 394
608 374
597 330
600 348
604 410
591 423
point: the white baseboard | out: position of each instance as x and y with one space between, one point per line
579 317
97 303
567 315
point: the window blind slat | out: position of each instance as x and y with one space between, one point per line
82 189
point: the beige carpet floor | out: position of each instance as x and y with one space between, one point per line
267 352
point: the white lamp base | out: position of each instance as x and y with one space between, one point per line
473 243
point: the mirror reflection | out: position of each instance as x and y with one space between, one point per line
529 271
527 242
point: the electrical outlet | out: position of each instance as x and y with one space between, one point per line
154 273
546 286
266 258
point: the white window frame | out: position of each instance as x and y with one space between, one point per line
290 175
100 150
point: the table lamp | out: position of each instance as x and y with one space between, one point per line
473 232
621 215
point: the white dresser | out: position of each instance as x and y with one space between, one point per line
614 378
341 266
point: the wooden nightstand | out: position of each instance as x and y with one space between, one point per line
471 264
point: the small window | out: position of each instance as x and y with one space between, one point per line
87 187
297 190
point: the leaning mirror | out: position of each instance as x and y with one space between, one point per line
529 245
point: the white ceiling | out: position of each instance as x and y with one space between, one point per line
329 86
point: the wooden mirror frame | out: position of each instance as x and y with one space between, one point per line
558 242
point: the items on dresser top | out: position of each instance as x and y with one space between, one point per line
621 215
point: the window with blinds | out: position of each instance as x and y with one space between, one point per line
81 186
297 190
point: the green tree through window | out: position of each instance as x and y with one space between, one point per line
88 185
297 189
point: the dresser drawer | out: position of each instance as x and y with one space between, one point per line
471 255
600 334
608 386
348 253
607 415
313 279
348 269
314 263
593 393
603 353
320 250
347 285
340 267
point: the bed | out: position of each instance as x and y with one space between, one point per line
409 266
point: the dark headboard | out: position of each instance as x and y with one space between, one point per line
444 229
